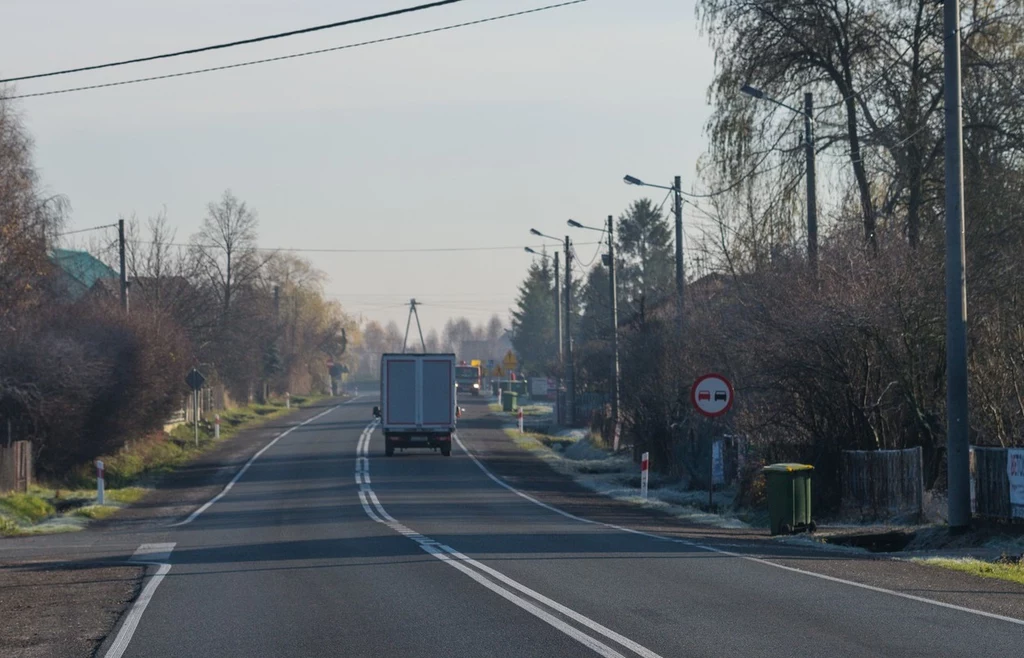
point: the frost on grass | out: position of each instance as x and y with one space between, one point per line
572 453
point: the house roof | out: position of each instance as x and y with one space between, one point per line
82 266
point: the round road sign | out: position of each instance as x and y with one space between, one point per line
712 395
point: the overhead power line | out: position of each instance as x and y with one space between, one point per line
232 44
308 53
84 230
398 250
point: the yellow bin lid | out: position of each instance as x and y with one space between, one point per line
787 468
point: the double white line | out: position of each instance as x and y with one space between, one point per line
529 600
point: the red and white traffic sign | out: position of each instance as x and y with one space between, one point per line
712 395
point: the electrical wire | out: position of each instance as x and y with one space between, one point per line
297 55
84 230
399 250
232 44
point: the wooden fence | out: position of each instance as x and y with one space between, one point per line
882 483
990 484
15 466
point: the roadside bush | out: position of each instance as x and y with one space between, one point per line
89 379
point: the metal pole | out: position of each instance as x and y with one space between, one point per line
677 187
423 343
957 440
613 292
408 323
124 274
570 379
558 310
812 192
195 414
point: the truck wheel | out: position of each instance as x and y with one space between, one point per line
389 450
446 450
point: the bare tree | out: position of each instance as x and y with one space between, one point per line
226 247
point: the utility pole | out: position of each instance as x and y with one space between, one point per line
124 273
408 323
957 439
570 379
558 310
677 188
614 296
812 192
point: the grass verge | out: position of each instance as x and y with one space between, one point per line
1004 569
129 474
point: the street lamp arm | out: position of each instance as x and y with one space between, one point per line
573 223
757 93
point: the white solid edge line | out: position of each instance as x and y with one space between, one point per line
131 621
238 476
686 542
375 510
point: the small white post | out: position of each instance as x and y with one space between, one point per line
287 400
99 483
645 463
520 420
216 427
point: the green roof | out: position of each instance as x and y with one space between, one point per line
82 266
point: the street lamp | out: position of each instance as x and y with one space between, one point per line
615 324
677 210
812 195
531 251
570 379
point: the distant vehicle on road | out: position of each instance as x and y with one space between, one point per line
468 378
418 405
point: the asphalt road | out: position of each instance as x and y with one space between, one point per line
317 550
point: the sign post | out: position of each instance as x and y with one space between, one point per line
195 381
645 463
99 482
712 396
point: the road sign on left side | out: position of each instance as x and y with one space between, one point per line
195 379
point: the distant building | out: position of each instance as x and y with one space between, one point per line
79 273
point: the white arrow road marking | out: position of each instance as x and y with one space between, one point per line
153 555
480 572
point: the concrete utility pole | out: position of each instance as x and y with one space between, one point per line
570 379
677 209
614 296
957 426
812 191
558 310
124 273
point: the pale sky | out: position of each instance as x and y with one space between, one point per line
465 138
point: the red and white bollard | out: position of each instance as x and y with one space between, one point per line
645 463
287 400
216 427
520 420
99 482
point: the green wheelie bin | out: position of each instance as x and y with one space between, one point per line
508 400
789 498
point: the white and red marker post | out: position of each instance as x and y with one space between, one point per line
99 482
520 420
216 427
645 467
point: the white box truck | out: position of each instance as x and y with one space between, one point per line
418 404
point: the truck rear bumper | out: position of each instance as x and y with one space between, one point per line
424 440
